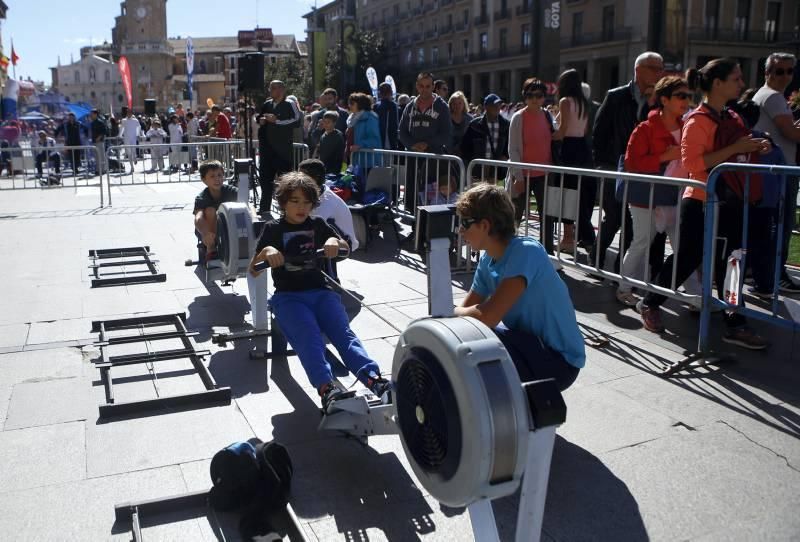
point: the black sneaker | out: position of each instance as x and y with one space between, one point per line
378 385
788 286
329 393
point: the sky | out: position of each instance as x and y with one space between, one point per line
43 30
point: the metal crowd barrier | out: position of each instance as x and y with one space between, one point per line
568 206
299 153
709 250
62 167
168 163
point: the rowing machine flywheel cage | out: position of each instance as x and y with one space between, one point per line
236 241
461 411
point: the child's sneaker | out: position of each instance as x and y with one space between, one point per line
329 393
378 385
651 317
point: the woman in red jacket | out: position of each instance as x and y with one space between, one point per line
721 81
654 149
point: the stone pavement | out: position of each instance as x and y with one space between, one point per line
712 455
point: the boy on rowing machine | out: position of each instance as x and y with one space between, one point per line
517 292
208 201
304 303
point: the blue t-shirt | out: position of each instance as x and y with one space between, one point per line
545 308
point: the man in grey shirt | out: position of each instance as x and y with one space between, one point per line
776 119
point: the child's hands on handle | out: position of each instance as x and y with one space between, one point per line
271 255
331 247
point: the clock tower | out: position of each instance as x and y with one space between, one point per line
140 34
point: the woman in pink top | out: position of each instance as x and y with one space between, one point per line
721 81
529 137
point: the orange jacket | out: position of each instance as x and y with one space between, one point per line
697 140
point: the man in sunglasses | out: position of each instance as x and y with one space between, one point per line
776 119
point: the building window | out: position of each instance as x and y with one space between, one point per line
773 21
742 20
577 27
608 23
434 55
484 43
503 40
484 9
409 55
233 79
466 17
92 74
526 37
466 50
421 55
107 76
449 53
77 76
217 64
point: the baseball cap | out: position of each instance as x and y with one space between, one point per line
492 99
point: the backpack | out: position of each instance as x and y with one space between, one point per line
731 128
772 181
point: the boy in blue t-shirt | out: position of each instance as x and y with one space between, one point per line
516 284
303 303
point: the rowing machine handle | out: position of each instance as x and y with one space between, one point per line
261 266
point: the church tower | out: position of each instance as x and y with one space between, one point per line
140 34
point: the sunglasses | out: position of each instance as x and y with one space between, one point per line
467 222
537 95
681 95
780 72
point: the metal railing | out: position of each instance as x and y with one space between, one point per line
299 153
168 163
62 166
710 240
560 182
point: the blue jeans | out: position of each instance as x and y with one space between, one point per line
535 360
304 317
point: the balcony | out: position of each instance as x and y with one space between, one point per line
461 27
502 14
445 30
444 3
416 12
430 34
427 8
581 40
524 9
482 19
404 16
749 36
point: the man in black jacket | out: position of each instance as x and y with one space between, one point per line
71 131
622 109
388 116
99 132
278 120
328 100
487 137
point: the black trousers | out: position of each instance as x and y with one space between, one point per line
269 168
546 223
42 157
690 252
575 152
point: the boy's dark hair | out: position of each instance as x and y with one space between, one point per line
313 168
296 180
487 201
209 165
333 115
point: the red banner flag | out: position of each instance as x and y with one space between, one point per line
125 73
14 55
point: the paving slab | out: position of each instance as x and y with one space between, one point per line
695 482
42 456
162 439
37 365
625 422
49 402
84 510
13 335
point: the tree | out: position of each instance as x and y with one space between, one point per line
295 72
370 51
